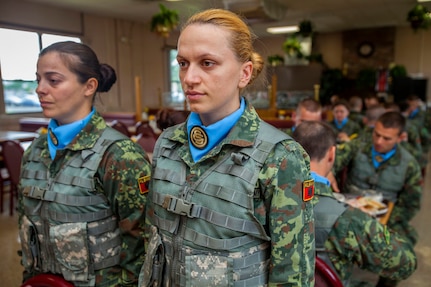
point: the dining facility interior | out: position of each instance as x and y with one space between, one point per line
351 37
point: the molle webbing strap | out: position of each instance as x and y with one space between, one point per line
217 244
75 181
107 262
79 217
178 206
106 225
260 280
167 174
66 199
224 193
101 246
238 171
35 174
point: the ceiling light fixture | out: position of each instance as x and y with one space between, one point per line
282 30
424 0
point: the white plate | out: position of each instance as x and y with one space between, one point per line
339 196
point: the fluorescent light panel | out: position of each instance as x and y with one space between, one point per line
424 0
283 29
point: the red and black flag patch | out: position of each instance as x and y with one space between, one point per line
143 183
308 190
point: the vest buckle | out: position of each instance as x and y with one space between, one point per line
178 206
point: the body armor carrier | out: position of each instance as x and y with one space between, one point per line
68 227
207 232
387 179
326 213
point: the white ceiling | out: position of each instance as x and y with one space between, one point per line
327 15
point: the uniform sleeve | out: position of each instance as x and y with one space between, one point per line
344 154
123 167
357 238
409 199
290 219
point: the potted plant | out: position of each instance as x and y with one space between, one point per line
292 47
275 60
165 21
419 17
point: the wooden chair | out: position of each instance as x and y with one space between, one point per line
12 156
325 276
47 280
121 127
147 142
144 128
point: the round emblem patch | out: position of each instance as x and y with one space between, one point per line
198 137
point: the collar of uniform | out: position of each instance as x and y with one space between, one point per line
242 134
393 160
89 135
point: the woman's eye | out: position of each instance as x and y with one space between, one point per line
207 63
182 64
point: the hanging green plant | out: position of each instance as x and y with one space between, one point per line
419 17
306 28
165 21
292 47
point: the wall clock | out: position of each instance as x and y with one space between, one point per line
365 49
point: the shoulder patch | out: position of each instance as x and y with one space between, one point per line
308 190
143 184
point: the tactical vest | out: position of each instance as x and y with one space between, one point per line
387 179
68 227
208 230
326 213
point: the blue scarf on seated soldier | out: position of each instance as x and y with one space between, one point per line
202 138
341 124
379 158
60 136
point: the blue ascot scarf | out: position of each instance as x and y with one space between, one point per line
63 135
413 113
379 158
215 132
319 178
341 124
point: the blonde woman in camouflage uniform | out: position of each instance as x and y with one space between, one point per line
346 236
83 185
228 202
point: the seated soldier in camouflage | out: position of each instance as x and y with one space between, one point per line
346 236
308 109
385 167
341 124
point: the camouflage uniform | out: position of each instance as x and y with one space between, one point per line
404 179
358 239
115 181
357 117
284 220
422 121
350 128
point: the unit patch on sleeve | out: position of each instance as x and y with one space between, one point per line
308 190
143 183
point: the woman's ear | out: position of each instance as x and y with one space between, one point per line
91 86
246 72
